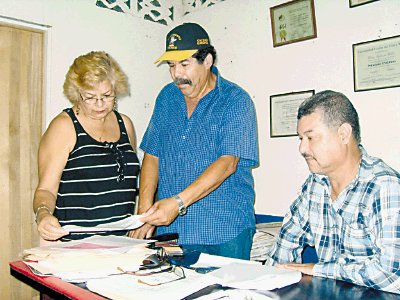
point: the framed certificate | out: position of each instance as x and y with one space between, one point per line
292 22
376 64
353 3
283 110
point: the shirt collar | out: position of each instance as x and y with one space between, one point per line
217 87
367 165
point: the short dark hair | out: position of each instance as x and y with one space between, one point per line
202 54
336 109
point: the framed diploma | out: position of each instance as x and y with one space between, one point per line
353 3
376 64
292 22
283 110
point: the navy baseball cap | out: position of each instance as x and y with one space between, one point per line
183 41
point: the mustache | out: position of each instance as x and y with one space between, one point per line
179 81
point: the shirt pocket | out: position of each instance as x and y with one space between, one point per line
357 240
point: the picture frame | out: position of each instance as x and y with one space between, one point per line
283 112
293 22
354 3
376 64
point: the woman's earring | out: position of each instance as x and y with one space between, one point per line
78 108
115 107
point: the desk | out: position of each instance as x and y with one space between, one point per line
50 286
310 288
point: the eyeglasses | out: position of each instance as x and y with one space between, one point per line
119 159
157 270
163 274
176 273
93 100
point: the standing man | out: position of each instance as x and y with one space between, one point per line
200 148
349 206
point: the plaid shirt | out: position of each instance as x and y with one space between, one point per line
357 237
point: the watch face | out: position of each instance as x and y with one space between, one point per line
182 210
181 205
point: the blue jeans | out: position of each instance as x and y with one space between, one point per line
239 247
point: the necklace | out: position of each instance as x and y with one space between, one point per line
95 128
101 134
98 131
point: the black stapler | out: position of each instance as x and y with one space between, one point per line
163 240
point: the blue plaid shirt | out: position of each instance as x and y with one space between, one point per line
223 123
357 237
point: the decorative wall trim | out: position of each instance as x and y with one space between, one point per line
194 5
151 10
159 11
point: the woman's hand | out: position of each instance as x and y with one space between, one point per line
49 228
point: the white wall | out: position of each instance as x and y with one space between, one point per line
77 27
241 32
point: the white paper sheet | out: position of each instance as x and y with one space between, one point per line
239 276
207 260
127 287
255 277
128 223
236 295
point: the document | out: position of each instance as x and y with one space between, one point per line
80 268
90 245
93 257
236 294
254 277
377 64
207 260
236 281
128 287
128 223
263 240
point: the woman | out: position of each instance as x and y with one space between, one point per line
87 162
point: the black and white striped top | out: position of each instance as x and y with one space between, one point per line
99 181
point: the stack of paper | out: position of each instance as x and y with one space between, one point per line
93 257
173 250
265 236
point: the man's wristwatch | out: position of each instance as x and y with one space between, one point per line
181 205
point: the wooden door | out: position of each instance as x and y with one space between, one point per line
21 112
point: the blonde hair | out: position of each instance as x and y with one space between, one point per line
91 69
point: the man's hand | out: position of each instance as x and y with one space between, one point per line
163 212
143 232
303 268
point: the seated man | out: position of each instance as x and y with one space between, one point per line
349 206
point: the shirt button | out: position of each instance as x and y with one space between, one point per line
183 137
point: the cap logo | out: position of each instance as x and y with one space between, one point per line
202 42
172 39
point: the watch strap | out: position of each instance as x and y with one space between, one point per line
181 206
